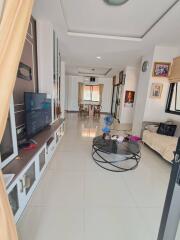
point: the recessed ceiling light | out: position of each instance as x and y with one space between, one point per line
99 57
115 2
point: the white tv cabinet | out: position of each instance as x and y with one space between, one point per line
30 165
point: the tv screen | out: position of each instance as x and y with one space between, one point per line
37 112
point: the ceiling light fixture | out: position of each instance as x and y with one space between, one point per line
115 2
98 57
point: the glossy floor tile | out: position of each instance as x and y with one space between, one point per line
78 200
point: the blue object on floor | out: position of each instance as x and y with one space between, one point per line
108 120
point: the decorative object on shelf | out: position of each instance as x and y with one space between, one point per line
129 98
115 2
156 90
122 77
145 66
24 72
161 69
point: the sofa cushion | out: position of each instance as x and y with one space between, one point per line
164 145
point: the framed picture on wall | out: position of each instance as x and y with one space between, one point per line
156 90
161 69
129 98
24 72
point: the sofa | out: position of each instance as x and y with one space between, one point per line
162 144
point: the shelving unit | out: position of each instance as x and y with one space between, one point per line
56 76
30 165
49 77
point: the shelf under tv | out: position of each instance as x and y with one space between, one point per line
17 165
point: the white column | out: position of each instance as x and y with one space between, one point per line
62 90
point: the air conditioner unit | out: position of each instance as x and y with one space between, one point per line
92 79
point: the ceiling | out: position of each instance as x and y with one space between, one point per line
121 35
96 17
89 71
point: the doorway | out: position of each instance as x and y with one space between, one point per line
116 99
170 221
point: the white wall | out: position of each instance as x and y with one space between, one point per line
126 113
45 56
72 92
155 108
147 108
141 96
45 61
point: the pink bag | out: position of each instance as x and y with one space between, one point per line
134 138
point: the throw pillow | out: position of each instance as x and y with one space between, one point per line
152 128
167 129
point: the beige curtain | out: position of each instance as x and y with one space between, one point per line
101 87
175 71
80 93
13 28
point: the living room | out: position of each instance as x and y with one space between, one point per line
90 145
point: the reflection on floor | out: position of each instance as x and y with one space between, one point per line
77 200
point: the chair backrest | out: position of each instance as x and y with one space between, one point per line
98 107
81 107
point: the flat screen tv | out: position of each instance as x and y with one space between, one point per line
38 113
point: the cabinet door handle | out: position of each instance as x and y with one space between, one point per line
22 185
27 182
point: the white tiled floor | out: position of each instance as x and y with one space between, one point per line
77 200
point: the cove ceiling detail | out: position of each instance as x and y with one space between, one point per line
89 71
130 21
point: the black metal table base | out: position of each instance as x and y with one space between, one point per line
114 165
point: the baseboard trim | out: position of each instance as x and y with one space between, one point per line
103 113
71 111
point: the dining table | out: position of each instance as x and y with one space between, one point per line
90 107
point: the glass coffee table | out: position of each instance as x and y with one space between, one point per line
114 156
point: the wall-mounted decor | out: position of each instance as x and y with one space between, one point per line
122 77
156 90
129 98
145 66
161 69
174 75
24 72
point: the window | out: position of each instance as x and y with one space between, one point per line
173 102
91 93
